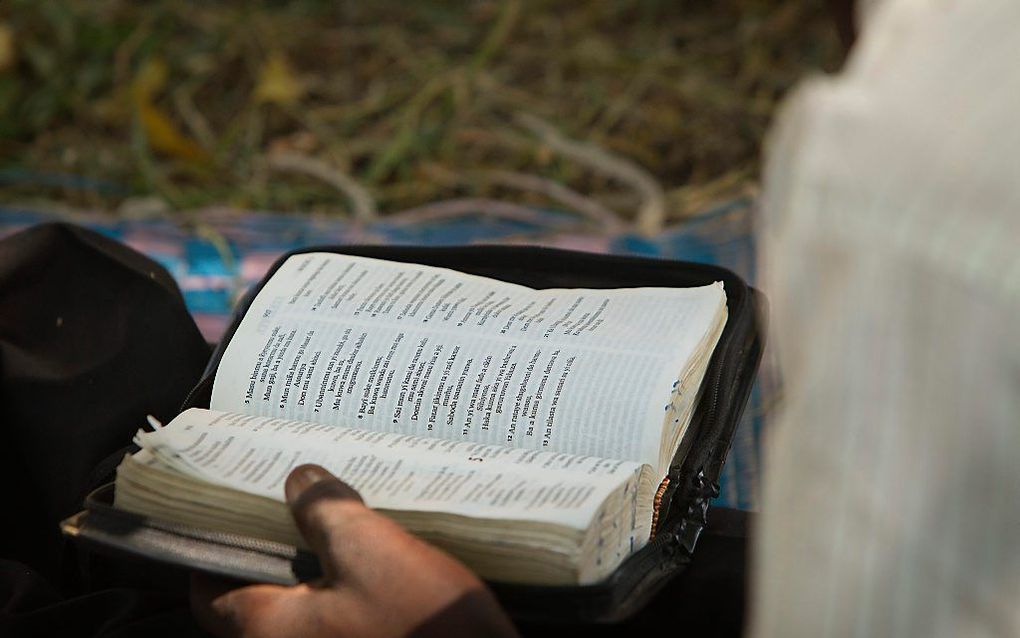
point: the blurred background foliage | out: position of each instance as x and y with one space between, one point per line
625 107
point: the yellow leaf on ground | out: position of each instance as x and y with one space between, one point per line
164 137
277 82
160 131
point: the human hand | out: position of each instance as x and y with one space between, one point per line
378 580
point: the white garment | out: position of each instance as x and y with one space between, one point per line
891 240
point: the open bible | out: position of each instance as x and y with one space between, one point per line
525 431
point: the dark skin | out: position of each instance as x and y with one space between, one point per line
379 580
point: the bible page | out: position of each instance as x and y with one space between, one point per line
411 349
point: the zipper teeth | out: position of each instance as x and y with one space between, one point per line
237 541
724 355
725 347
709 419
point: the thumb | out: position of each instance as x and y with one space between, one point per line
322 506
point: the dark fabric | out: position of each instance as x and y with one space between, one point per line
93 337
30 606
